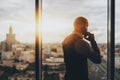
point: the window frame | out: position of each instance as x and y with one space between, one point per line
110 40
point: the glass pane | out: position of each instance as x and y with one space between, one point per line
117 40
57 23
17 30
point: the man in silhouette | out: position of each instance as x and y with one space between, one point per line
77 50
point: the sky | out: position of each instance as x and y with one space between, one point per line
57 18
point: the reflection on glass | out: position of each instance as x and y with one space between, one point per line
17 51
57 23
117 40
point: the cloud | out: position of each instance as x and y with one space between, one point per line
117 21
68 10
59 15
20 10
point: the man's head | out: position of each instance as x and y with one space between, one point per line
81 25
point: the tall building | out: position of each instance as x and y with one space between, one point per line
6 45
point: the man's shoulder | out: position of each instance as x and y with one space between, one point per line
82 43
71 38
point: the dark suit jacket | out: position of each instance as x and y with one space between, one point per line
76 51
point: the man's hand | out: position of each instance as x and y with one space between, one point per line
89 36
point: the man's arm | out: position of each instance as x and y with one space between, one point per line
93 53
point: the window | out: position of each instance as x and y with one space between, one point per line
57 23
17 44
117 40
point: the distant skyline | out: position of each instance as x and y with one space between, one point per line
57 18
20 15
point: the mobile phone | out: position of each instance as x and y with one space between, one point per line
87 34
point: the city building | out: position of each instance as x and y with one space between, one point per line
1 72
9 63
21 65
26 76
53 59
117 62
27 56
7 55
6 45
60 51
45 56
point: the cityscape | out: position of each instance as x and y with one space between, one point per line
17 37
17 61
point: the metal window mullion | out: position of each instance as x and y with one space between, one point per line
38 40
110 40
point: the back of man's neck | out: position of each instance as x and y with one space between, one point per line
78 33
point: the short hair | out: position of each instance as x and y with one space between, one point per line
80 20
